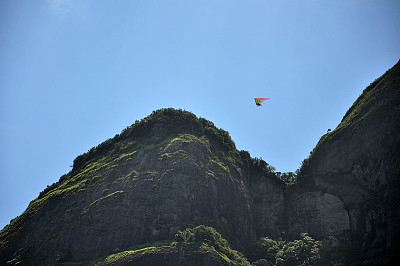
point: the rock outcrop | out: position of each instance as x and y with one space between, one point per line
358 165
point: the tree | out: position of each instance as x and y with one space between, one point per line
304 251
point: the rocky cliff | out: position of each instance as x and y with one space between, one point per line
172 171
350 182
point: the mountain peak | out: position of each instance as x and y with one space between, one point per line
158 126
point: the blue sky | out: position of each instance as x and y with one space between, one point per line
74 73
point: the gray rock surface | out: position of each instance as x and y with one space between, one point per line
322 214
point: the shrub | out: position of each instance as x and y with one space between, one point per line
209 237
304 251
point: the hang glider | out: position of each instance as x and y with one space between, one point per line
259 101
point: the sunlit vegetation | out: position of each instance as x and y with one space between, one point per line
173 121
288 177
204 236
118 256
303 251
179 128
191 239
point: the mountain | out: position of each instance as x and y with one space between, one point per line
167 172
173 189
352 176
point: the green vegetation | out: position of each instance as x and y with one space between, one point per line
118 256
204 236
135 137
178 128
303 251
172 121
188 138
131 176
190 239
175 154
220 164
364 106
107 200
257 165
211 174
289 178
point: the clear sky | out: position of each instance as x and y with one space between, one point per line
74 73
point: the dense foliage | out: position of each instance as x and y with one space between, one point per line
209 237
303 251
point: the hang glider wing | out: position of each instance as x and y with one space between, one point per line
259 101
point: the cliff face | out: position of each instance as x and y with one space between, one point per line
350 185
172 170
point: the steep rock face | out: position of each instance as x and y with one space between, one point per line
320 213
358 164
268 206
168 172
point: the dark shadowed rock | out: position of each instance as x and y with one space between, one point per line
322 214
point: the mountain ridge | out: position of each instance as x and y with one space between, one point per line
172 171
